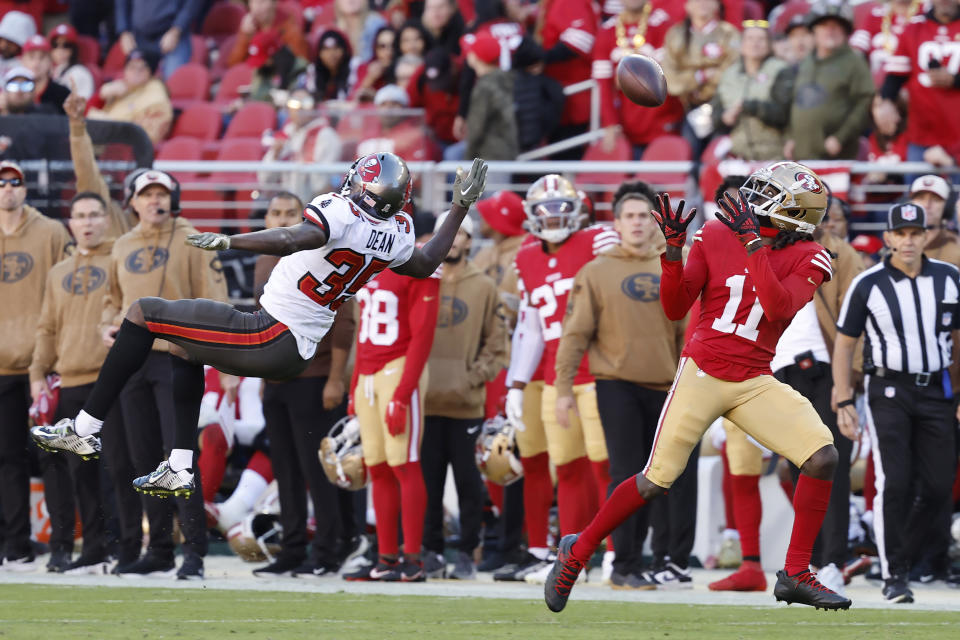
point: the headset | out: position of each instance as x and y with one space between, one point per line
136 173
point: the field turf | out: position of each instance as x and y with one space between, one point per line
45 612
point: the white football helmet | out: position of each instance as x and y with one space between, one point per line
342 456
554 209
496 451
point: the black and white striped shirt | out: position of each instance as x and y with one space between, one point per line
907 321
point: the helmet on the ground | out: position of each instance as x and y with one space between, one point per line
792 196
256 538
496 451
554 209
342 456
378 183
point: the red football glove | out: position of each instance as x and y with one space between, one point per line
396 417
351 408
673 225
740 218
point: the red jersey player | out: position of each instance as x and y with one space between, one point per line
749 287
546 265
398 316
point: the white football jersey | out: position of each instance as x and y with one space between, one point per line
306 288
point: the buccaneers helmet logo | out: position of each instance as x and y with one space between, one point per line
370 170
808 182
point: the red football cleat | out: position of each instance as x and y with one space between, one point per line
749 577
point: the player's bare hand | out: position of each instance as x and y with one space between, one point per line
333 392
209 241
109 335
566 405
672 223
739 217
75 105
468 187
848 422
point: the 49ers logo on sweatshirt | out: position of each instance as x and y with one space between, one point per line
139 261
644 287
84 280
15 266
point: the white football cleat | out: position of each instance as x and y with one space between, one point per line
165 482
63 437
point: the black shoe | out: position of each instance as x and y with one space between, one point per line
316 569
59 561
514 571
191 568
492 561
895 590
434 565
406 572
563 575
149 566
632 581
377 572
282 567
88 566
804 588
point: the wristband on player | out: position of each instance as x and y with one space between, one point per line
845 403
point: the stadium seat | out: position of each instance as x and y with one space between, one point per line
200 120
237 76
292 7
621 152
190 83
219 66
198 49
667 148
113 63
182 148
234 150
251 121
88 50
222 21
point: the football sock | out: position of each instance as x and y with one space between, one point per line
260 464
747 512
621 504
124 359
537 498
212 460
181 459
540 553
810 502
188 386
386 506
601 477
86 425
576 496
250 487
413 497
869 485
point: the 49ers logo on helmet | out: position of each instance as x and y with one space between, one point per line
808 182
370 169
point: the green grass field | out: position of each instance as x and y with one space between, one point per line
49 612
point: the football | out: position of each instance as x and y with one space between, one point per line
641 80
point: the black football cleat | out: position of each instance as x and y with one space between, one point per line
804 588
563 575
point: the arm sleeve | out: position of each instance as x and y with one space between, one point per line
579 328
892 83
493 342
480 102
853 313
681 285
858 104
424 305
526 345
781 299
45 347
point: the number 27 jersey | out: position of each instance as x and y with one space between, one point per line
306 288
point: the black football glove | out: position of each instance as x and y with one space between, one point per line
673 225
739 218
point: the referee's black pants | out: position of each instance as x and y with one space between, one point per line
629 414
451 441
15 466
816 384
150 418
914 457
295 424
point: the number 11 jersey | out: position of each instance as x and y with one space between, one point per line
734 339
306 288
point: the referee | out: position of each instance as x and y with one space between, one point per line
908 306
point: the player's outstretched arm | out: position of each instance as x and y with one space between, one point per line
281 241
673 225
467 189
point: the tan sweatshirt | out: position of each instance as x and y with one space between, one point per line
26 256
68 334
156 262
469 346
614 313
89 178
496 261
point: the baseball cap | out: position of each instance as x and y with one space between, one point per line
466 225
902 216
16 27
36 43
504 212
65 31
18 72
867 244
933 184
10 165
391 93
262 47
148 178
483 45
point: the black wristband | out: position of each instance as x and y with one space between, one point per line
845 403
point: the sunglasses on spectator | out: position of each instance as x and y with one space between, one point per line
61 44
384 45
20 86
13 182
756 24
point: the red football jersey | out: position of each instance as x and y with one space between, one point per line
877 32
735 337
391 308
574 23
933 111
546 280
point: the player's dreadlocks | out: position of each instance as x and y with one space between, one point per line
785 238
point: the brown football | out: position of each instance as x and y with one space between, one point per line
641 80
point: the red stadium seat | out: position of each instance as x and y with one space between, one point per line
251 121
200 120
667 149
219 66
198 49
181 149
621 152
190 83
222 21
237 76
238 149
113 64
88 50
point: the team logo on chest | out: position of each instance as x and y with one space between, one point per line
84 280
15 266
146 259
644 287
